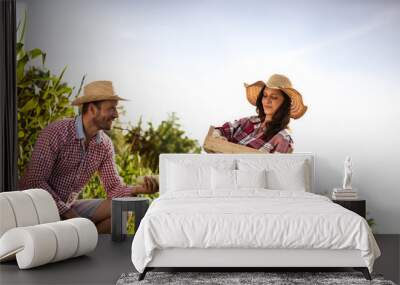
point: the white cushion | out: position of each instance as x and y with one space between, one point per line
40 244
251 178
282 174
87 235
67 240
7 218
223 179
293 179
230 180
45 205
26 208
34 244
23 208
187 174
189 177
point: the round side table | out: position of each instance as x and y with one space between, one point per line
119 214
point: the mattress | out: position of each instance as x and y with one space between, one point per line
250 219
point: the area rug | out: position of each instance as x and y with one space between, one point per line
243 278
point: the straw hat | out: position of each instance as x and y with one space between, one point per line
97 91
281 82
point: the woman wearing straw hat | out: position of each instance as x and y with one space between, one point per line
276 102
69 152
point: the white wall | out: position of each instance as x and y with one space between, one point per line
192 57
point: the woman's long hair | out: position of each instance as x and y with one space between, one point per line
281 118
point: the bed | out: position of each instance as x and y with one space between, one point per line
246 211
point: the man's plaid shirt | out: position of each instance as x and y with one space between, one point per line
61 165
246 132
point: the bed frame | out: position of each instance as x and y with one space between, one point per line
249 259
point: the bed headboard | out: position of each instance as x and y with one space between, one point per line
183 157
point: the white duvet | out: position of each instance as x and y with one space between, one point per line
250 219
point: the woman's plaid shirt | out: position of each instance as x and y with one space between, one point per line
61 165
245 131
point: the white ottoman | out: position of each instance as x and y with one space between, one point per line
31 230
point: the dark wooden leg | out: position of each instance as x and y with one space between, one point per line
143 274
364 271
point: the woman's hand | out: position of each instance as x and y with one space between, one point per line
217 134
280 144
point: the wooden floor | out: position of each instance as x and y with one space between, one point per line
111 259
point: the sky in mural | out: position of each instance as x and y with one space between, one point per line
192 57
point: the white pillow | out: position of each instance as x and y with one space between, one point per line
282 174
188 177
192 174
227 179
292 179
223 179
251 178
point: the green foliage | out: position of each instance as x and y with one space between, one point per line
42 98
93 189
139 156
129 168
168 137
137 151
371 222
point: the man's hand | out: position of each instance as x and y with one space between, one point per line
150 186
69 215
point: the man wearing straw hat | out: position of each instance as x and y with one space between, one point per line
68 152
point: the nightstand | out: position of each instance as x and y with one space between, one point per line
357 206
119 214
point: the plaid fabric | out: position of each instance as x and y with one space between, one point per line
61 165
246 132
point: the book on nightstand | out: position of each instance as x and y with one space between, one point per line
344 194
